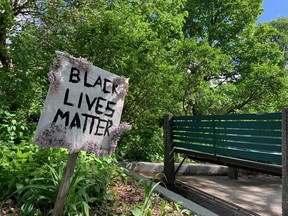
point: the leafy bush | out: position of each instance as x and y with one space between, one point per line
142 144
14 127
32 177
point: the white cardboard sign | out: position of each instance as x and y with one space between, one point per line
83 106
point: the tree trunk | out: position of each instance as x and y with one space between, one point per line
4 55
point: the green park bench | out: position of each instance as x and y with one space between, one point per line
246 141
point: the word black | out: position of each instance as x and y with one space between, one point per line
106 85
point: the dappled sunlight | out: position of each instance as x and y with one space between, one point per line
261 195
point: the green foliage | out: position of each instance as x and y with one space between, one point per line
151 199
184 57
142 144
233 66
13 128
220 21
132 39
146 208
89 186
7 21
281 37
32 177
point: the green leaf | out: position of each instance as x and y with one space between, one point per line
137 212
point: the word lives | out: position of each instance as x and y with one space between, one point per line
89 114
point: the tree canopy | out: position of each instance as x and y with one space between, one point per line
185 57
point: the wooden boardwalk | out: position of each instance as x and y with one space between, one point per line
249 195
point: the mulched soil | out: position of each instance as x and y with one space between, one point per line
131 194
10 209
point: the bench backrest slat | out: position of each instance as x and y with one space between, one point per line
245 136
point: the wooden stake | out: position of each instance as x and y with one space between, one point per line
65 185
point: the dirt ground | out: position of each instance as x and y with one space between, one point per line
261 194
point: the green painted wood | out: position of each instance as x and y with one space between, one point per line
194 124
277 125
194 135
192 118
247 136
231 137
250 139
242 138
254 156
209 138
194 140
248 132
250 146
204 130
243 131
200 148
268 116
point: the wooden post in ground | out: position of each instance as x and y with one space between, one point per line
169 169
232 173
65 185
284 162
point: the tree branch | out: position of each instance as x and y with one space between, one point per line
18 8
240 105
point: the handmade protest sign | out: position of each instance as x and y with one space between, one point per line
83 107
